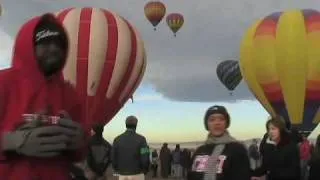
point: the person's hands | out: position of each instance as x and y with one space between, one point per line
35 141
77 139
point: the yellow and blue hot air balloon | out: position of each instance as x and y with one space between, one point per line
280 61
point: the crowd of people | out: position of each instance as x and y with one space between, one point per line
43 137
279 156
174 163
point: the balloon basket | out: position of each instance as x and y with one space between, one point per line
230 93
154 29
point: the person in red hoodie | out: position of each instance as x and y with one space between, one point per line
40 126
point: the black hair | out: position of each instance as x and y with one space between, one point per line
131 126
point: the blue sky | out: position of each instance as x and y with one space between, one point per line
180 82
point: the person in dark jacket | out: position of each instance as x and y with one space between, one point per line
99 154
176 162
282 161
254 154
221 157
185 162
314 172
130 152
165 161
154 163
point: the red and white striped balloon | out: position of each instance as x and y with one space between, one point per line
106 62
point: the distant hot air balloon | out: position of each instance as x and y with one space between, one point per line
280 61
175 22
106 62
229 74
154 12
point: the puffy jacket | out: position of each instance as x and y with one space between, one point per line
99 154
234 162
280 162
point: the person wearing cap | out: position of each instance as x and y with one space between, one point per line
130 153
41 132
221 157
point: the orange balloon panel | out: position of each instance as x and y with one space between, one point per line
106 60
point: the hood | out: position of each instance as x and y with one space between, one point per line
24 49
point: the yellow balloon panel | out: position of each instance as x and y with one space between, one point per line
248 70
292 62
280 61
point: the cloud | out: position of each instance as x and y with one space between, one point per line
148 97
181 68
5 50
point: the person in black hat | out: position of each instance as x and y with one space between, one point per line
130 152
51 45
221 157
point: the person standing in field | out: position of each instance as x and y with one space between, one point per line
165 161
130 153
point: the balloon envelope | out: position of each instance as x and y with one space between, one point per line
154 12
229 74
106 60
280 61
175 21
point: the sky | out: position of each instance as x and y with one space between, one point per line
180 82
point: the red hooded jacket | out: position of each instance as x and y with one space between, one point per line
25 90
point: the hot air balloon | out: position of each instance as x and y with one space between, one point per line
229 74
106 62
154 12
175 22
280 61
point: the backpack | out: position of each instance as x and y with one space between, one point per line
99 157
254 152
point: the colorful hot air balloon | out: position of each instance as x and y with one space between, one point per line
280 61
106 62
229 74
175 22
154 12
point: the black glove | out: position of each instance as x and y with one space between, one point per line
35 141
76 140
